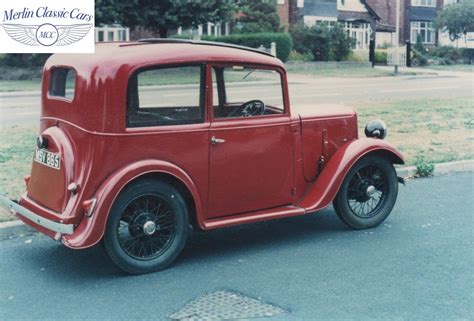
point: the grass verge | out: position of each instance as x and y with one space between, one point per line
439 130
20 85
16 155
339 70
463 68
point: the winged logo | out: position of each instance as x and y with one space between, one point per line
59 35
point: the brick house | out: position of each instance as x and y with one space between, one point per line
358 18
416 18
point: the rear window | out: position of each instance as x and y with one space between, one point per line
62 83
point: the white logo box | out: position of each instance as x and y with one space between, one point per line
47 26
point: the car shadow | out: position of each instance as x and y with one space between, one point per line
284 232
78 266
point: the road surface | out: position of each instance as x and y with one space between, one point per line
24 110
415 266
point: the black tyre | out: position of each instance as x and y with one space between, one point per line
147 227
368 193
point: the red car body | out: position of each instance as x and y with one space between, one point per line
271 166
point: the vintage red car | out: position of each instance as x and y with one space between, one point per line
141 140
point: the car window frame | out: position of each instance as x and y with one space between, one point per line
202 94
283 82
49 84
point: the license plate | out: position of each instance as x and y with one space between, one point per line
47 158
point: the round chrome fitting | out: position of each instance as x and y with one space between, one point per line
149 227
370 190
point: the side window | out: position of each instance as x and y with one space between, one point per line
165 96
62 83
246 92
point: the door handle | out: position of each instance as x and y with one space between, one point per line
215 140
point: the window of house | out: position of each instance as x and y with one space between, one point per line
110 36
450 2
423 3
300 3
165 96
62 83
425 30
246 92
100 36
360 32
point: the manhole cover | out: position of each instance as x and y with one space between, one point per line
225 305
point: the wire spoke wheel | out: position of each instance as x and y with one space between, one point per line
147 227
368 193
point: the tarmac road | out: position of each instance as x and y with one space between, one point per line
418 265
23 110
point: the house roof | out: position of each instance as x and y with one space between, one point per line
328 8
382 27
354 16
370 9
321 8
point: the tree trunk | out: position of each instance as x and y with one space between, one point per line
163 32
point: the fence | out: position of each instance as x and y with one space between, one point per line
402 56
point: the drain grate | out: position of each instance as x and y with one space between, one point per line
225 305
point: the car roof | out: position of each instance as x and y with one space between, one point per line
153 51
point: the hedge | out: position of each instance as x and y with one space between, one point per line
24 60
380 56
283 42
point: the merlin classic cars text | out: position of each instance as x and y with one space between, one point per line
46 12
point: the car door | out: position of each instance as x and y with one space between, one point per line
251 156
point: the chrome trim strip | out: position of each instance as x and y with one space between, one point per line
50 225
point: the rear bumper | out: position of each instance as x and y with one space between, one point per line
38 220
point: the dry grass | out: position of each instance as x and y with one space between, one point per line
16 154
440 130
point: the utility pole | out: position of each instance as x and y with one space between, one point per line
397 37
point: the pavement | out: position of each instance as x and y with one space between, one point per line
417 265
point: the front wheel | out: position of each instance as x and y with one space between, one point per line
147 227
368 193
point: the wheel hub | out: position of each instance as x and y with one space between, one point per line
149 227
365 190
370 190
143 224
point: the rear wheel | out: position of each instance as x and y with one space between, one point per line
147 227
368 193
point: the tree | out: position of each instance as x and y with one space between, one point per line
340 43
161 16
457 19
323 41
257 16
105 12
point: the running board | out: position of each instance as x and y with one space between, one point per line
253 217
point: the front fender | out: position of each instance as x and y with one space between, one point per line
91 229
325 188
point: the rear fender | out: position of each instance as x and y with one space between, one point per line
325 188
91 229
